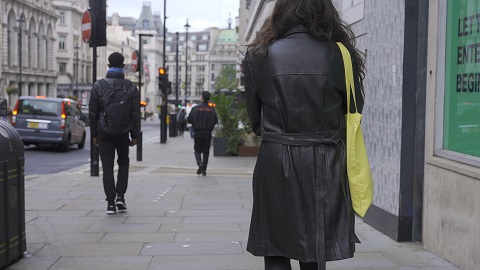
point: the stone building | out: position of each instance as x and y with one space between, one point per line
148 23
73 55
208 52
27 58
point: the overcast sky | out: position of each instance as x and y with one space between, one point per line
201 14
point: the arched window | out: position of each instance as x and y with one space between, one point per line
12 40
31 44
41 47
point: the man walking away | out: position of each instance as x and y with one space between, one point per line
203 118
182 121
115 124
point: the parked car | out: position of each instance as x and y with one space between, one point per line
45 120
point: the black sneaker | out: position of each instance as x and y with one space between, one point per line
204 173
200 169
121 205
111 209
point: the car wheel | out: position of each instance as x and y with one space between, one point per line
65 147
81 145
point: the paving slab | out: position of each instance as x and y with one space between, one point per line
175 220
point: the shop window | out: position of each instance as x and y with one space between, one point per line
460 61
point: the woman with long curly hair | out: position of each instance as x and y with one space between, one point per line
296 100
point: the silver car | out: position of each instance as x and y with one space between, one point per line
44 120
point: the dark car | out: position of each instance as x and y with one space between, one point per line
45 120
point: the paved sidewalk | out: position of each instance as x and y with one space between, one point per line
176 220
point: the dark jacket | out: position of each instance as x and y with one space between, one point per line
203 119
181 118
296 101
96 105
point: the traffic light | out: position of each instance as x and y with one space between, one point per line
99 34
143 103
163 81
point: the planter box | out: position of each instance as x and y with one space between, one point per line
219 146
248 151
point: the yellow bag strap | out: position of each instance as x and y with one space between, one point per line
349 83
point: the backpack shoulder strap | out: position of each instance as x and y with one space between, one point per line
103 83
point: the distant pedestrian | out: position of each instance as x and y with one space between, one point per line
203 119
296 100
115 125
182 121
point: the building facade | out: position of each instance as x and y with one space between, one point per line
148 25
420 120
452 149
74 56
201 57
27 60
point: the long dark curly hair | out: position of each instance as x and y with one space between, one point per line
319 16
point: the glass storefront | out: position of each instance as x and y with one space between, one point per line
461 119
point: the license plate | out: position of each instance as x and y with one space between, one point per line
37 125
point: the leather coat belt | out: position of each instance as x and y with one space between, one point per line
303 139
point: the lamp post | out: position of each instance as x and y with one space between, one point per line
186 60
77 49
176 72
20 28
140 68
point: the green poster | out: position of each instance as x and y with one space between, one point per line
462 78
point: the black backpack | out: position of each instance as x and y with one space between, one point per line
117 114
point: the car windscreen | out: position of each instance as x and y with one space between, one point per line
39 107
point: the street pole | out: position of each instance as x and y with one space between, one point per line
20 28
140 68
176 74
77 48
186 61
94 160
163 106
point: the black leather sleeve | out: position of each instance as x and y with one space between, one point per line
252 92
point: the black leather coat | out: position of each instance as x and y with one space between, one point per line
296 101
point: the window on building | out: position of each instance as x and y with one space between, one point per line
202 47
145 24
461 86
213 76
248 4
213 67
62 17
61 42
193 38
204 37
62 68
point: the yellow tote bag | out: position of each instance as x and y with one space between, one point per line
358 170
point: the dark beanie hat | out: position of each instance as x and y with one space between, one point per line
116 60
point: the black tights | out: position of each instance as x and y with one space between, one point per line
282 263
